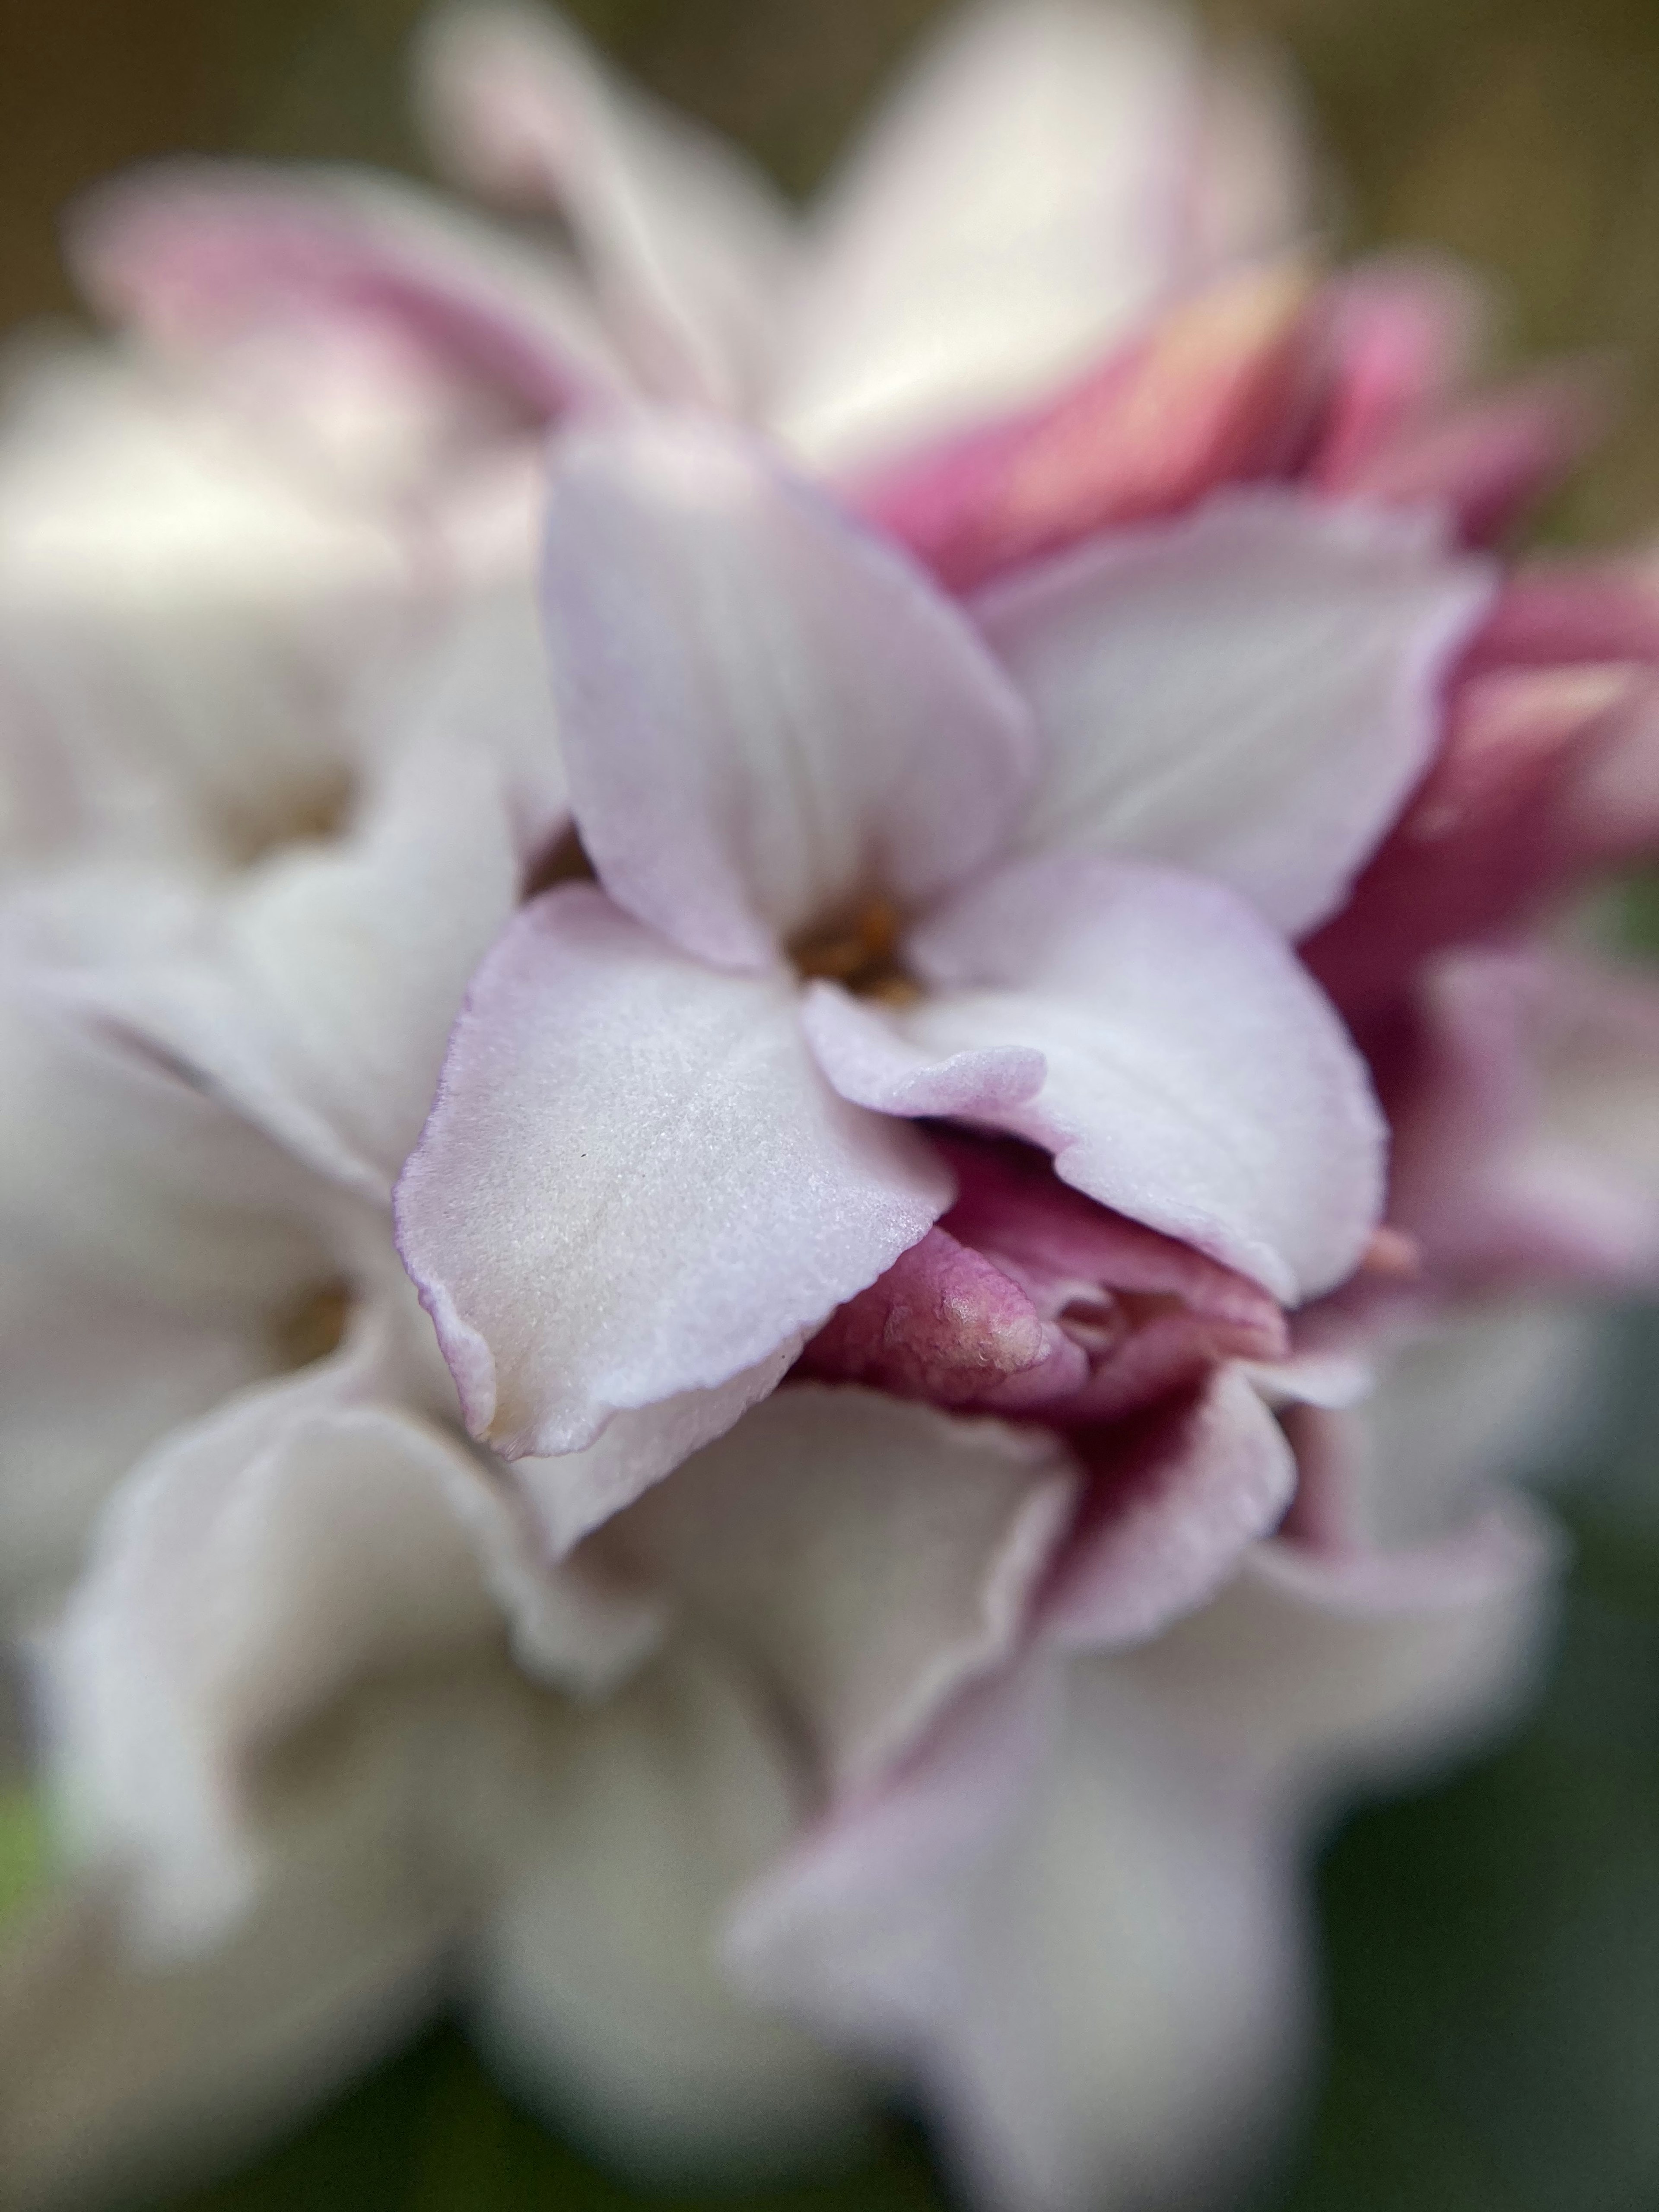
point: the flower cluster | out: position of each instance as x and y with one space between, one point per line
796 1119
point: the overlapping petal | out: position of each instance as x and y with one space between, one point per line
1250 692
689 244
635 1181
1024 196
766 714
871 1558
1196 1081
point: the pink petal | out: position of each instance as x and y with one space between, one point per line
766 715
1251 691
1489 460
1402 332
1023 197
1154 998
635 1182
206 256
871 1558
1205 396
1176 1496
689 244
1556 611
1545 773
944 1324
1524 1123
1011 1207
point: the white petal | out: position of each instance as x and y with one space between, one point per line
1250 691
1015 208
871 1556
688 244
769 715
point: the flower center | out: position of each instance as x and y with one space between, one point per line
861 954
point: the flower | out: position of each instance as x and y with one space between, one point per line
906 1180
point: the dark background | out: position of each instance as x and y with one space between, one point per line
1493 1944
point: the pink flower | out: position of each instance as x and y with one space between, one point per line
987 1452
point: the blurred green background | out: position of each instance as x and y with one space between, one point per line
1492 1945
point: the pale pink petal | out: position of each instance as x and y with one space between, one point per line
332 292
1197 1081
1175 1497
1072 1932
1211 394
1545 773
1525 1121
689 244
1250 692
1402 331
945 1325
873 1557
766 715
1325 1669
635 1181
1020 201
1253 187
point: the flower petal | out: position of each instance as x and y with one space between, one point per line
689 244
1176 1496
1073 1931
1205 396
597 1988
318 992
871 1557
251 1571
1023 197
1197 1080
287 277
1250 692
635 1182
766 715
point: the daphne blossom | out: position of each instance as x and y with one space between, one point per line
942 1454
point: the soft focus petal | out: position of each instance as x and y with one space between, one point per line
635 1181
871 1558
283 280
319 992
1071 1929
688 244
183 605
598 1992
1545 773
1250 692
1489 460
1526 1119
1025 195
89 1376
305 1537
1176 1497
1327 1669
766 715
1208 395
1196 1081
1401 331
